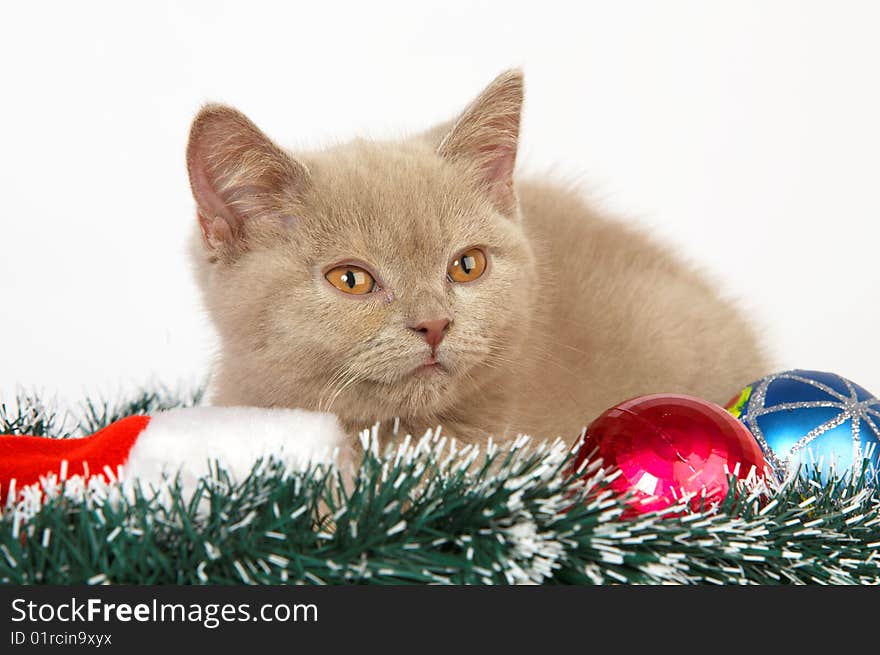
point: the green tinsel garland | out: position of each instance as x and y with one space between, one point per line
423 514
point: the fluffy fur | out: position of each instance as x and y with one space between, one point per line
574 313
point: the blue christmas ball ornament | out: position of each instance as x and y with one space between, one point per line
810 418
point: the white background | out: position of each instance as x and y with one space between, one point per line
746 133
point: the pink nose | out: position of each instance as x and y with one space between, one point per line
433 331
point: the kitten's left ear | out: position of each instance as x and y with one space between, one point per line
240 179
486 136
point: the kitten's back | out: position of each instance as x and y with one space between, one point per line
619 316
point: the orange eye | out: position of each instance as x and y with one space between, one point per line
351 279
467 266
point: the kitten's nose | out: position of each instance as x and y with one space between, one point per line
433 331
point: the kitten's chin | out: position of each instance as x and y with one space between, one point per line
429 368
424 390
434 377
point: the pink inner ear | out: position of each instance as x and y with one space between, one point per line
216 230
209 201
499 174
500 166
216 220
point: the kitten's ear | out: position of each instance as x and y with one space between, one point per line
237 176
487 134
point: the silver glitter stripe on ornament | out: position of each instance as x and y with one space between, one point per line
818 385
800 405
857 441
851 387
859 412
756 403
817 431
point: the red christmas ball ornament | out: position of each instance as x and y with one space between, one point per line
668 447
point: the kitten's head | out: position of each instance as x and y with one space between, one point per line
372 279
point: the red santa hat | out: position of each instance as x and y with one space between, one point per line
178 442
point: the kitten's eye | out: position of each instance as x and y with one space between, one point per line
467 266
351 279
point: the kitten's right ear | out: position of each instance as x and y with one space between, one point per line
486 135
237 175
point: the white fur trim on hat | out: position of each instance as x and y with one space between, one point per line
189 441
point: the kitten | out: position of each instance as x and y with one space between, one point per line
414 279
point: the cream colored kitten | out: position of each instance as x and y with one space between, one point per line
414 279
